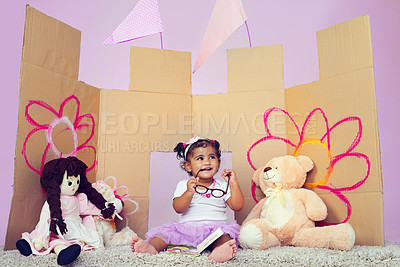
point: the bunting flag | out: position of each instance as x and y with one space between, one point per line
227 17
143 20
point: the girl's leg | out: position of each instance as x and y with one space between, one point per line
223 249
153 247
158 244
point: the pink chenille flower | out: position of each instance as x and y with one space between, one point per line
325 142
45 119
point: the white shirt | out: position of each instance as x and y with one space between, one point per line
202 208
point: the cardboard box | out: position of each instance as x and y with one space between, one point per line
128 124
159 111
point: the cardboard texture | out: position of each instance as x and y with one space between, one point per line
159 111
128 125
127 142
164 71
236 118
346 88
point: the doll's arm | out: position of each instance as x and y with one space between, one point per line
117 204
41 234
86 207
255 212
315 208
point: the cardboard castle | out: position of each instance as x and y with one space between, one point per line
159 111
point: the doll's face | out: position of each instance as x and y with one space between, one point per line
70 184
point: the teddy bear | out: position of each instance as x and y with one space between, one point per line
106 227
287 214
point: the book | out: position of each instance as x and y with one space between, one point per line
182 249
209 240
194 251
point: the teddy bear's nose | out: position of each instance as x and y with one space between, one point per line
267 169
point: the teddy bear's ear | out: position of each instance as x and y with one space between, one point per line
305 162
256 176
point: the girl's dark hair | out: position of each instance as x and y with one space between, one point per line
181 147
51 179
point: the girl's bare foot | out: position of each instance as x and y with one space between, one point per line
224 252
141 246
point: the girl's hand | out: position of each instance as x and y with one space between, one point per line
229 174
191 185
236 201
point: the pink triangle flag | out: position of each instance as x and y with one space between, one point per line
143 20
227 17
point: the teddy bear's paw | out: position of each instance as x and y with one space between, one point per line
340 236
123 237
344 237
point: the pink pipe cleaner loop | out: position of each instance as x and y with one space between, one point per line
124 198
52 125
333 161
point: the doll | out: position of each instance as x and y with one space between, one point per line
60 227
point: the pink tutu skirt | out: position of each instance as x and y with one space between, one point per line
190 233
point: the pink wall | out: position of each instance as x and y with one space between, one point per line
288 22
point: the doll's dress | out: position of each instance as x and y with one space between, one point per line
82 232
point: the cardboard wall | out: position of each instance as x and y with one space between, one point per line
128 124
132 124
235 119
346 88
49 72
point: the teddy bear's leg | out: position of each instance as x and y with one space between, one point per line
255 234
105 230
339 236
123 237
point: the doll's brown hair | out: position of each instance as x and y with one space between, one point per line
51 179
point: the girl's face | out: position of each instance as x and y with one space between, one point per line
203 158
70 184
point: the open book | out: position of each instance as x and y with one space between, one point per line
209 239
195 251
182 249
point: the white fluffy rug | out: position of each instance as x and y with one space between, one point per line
279 256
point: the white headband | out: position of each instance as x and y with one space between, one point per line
189 143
